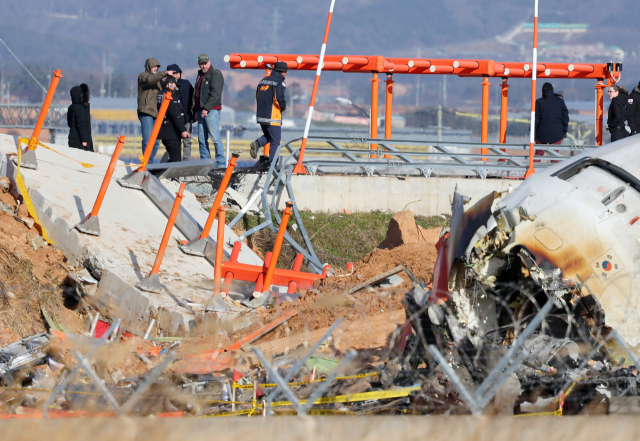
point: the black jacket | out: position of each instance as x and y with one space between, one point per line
617 110
79 118
173 123
552 119
186 96
270 99
633 111
210 93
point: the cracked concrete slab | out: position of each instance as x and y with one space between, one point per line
63 193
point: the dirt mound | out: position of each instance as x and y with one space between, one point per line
403 230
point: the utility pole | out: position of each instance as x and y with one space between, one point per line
274 44
439 122
418 84
444 90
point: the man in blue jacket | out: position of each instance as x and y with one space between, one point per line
271 103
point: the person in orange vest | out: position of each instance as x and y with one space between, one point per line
271 103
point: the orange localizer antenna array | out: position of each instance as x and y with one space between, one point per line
534 71
299 168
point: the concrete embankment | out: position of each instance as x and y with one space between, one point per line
63 193
335 193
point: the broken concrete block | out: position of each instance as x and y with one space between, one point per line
392 282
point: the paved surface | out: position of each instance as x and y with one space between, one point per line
63 192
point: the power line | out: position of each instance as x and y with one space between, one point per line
21 64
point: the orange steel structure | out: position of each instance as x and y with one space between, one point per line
377 64
167 232
221 191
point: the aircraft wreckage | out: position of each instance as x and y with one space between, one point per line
569 233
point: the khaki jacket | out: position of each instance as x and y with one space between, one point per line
148 88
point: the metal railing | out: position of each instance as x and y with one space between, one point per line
344 154
24 116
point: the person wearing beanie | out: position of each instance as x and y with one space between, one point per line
633 110
552 118
148 87
617 112
206 107
271 104
173 127
186 96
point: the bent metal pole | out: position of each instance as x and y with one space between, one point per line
151 283
221 191
277 247
534 71
144 160
299 168
91 224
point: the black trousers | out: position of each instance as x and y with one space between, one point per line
174 148
272 135
619 133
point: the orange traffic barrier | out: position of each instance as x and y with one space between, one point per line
33 142
90 224
152 281
221 190
144 159
277 246
217 266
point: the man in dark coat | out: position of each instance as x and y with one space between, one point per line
270 104
633 110
207 104
79 118
173 127
186 96
552 118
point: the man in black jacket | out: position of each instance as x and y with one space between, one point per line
207 104
173 127
270 100
79 118
552 118
633 110
186 96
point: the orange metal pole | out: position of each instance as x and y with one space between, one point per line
388 110
374 111
503 111
260 280
33 142
167 232
217 267
299 169
599 111
297 264
484 136
228 276
277 246
216 203
107 176
144 160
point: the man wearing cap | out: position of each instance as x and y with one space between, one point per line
148 87
186 94
271 103
207 104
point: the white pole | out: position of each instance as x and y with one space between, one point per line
534 72
299 169
228 144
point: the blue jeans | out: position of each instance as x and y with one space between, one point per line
147 122
209 127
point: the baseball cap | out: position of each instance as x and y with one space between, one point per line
203 58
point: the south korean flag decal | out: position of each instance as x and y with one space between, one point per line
606 266
630 100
